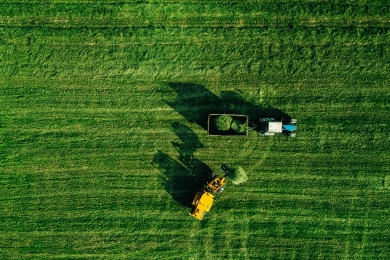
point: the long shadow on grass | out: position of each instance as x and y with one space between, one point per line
195 103
238 105
183 178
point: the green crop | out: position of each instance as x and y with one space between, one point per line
239 176
238 126
103 128
223 122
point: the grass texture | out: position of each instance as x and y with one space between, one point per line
240 176
103 128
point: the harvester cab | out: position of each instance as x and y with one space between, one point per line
272 126
217 185
204 199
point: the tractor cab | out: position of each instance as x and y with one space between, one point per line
273 127
270 126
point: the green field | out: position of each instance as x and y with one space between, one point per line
103 140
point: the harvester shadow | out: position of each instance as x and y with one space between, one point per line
177 179
183 178
196 103
188 144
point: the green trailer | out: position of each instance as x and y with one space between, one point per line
228 125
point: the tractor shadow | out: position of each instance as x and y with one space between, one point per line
238 105
195 103
183 178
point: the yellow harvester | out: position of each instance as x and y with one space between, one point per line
204 199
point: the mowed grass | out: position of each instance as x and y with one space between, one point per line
103 144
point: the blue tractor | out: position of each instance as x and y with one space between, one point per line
270 126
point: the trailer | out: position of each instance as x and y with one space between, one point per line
239 125
229 125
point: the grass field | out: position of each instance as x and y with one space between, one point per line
103 139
